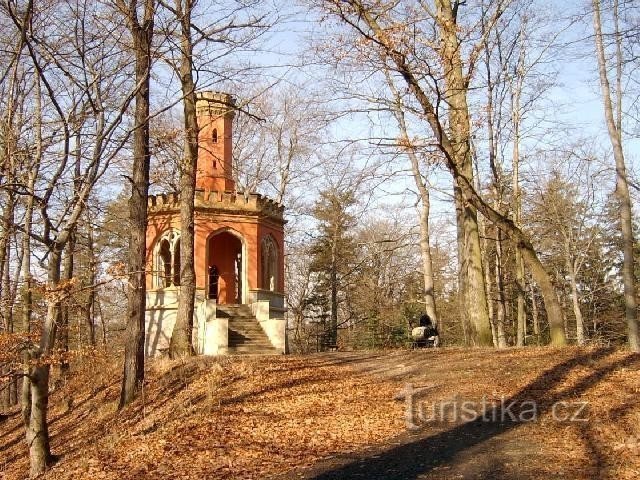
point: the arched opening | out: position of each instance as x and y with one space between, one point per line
214 135
176 263
167 260
269 264
164 264
226 264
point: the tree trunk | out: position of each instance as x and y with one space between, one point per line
37 431
67 275
425 204
333 321
488 284
501 306
26 293
534 315
475 292
577 312
89 305
5 287
181 343
462 276
134 344
517 202
498 323
622 185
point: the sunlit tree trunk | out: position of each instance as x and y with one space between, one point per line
425 204
142 35
181 343
516 91
622 185
456 96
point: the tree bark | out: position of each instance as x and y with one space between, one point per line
517 202
333 321
67 275
534 314
142 34
502 309
89 305
37 431
181 343
456 96
622 185
577 312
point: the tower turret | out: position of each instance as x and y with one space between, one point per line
215 111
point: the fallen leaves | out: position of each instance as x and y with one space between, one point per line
245 418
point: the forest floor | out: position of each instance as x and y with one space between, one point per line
343 415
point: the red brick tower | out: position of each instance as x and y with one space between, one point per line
239 248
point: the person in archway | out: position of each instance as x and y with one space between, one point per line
213 282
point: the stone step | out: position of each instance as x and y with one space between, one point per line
248 323
239 337
246 350
256 334
246 336
245 340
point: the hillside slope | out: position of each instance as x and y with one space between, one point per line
334 416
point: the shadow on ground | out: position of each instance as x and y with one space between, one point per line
478 449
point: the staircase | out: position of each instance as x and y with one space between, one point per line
246 336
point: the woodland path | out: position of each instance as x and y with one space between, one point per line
484 449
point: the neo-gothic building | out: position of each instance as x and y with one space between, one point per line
239 256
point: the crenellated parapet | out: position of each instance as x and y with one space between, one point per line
215 104
220 202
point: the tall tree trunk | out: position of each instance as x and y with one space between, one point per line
26 293
142 34
501 305
70 251
516 90
496 187
67 275
6 304
488 284
572 270
89 305
475 292
37 430
462 276
622 185
425 205
534 314
181 343
333 321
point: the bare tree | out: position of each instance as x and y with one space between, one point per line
425 246
141 29
613 118
378 27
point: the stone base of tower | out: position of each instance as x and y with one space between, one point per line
258 327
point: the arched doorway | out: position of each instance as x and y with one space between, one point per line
226 267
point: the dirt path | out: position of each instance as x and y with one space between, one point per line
551 446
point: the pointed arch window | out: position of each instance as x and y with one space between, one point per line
214 135
269 263
167 260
